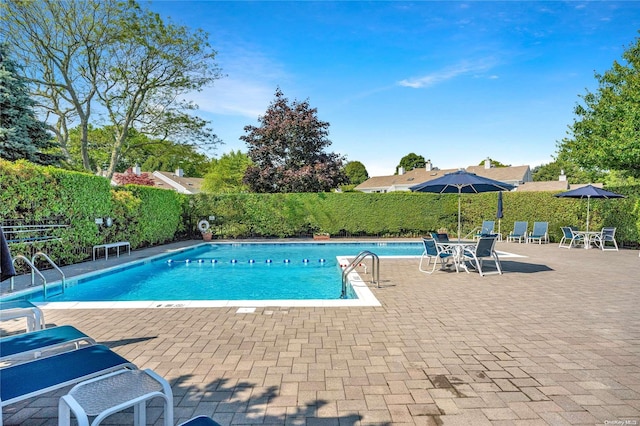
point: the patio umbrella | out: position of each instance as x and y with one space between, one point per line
6 264
461 182
499 214
589 192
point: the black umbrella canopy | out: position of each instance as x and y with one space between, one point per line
6 264
589 192
461 182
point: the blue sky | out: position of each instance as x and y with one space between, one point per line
455 82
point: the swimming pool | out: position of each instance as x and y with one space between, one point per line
232 274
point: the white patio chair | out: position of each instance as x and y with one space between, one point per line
569 238
485 248
607 234
539 233
432 251
519 231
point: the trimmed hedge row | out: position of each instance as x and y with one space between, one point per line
403 214
35 195
144 216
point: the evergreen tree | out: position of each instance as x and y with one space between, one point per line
22 136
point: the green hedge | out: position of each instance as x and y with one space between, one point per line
406 214
144 216
35 195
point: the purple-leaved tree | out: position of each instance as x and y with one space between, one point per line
287 151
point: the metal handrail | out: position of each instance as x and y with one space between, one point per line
33 270
52 263
375 270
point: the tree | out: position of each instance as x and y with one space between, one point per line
22 136
131 178
411 161
287 150
605 135
114 57
226 173
552 171
150 154
356 172
494 163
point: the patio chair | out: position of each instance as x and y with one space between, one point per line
440 237
539 233
26 380
486 228
432 251
607 234
23 309
27 346
519 232
485 248
570 238
200 421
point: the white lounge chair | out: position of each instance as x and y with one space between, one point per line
519 232
27 346
539 233
36 377
486 229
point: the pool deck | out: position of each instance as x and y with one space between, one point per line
554 340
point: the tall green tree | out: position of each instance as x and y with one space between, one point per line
494 163
605 134
22 135
551 171
115 57
226 174
356 172
411 161
288 153
150 154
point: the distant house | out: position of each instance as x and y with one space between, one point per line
178 182
174 181
553 185
514 175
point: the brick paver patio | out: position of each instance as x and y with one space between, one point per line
555 340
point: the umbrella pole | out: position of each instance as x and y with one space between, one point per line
588 201
459 197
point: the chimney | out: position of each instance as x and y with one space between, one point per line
136 170
563 177
179 172
487 163
428 166
400 170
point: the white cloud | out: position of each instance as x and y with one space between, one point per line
231 96
446 74
249 86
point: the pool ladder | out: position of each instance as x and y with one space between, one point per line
35 271
375 270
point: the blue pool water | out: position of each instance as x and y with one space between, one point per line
230 271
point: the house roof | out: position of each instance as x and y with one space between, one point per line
170 180
554 185
420 175
502 174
